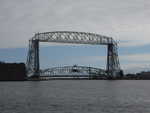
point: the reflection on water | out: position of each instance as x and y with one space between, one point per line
75 96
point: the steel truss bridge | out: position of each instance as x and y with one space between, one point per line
33 66
73 71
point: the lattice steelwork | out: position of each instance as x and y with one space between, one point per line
73 71
113 65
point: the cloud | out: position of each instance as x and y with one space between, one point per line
89 59
124 20
135 67
134 63
145 57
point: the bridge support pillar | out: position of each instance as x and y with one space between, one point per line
36 58
112 61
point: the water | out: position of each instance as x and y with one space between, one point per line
75 96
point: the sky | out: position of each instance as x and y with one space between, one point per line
127 21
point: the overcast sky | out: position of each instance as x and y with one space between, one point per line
127 21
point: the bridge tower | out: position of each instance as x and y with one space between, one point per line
33 64
113 65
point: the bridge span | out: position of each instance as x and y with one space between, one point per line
33 66
73 71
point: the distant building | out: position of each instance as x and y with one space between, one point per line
144 75
12 71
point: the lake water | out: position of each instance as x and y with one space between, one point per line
75 96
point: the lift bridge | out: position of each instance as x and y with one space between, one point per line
33 66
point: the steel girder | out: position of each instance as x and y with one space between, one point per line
113 65
73 70
73 37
